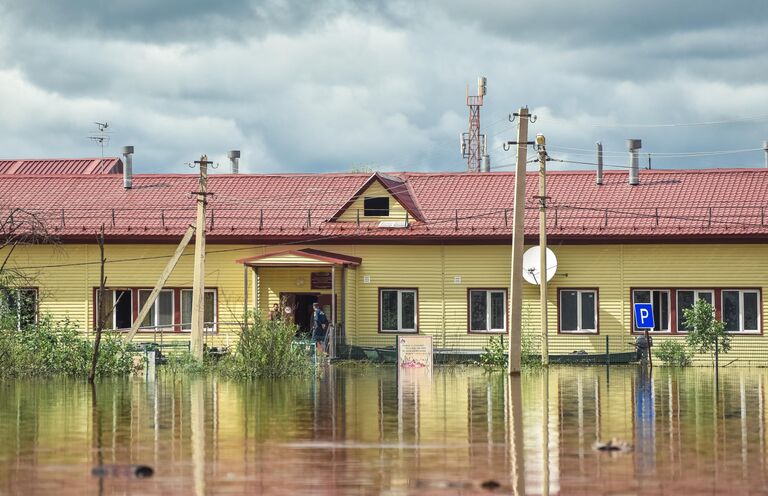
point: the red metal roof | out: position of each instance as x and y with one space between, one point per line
104 165
323 256
674 205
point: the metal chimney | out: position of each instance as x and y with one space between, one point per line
234 160
485 166
599 179
634 167
128 167
765 150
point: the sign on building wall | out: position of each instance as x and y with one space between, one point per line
321 280
414 351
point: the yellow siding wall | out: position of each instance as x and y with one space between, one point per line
396 210
66 291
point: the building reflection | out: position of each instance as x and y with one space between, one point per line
372 429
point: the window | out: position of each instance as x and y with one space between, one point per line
487 310
376 206
161 313
122 314
741 310
20 307
578 310
397 308
660 300
209 309
686 298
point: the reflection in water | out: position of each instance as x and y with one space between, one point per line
370 430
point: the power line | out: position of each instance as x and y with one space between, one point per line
689 124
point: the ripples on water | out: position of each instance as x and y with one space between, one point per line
363 431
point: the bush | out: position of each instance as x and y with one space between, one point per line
673 353
494 355
266 349
57 348
704 331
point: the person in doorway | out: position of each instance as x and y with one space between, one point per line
275 314
319 327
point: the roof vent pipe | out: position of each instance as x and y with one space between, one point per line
128 167
765 150
485 166
634 166
599 179
234 160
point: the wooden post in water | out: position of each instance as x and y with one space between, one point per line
101 304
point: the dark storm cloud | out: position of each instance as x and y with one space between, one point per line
329 84
169 21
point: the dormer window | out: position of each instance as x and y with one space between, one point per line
377 206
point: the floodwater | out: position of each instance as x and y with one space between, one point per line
364 430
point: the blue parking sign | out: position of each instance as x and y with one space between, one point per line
644 316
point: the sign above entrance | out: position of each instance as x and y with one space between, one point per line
414 352
321 280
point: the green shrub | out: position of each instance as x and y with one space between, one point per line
673 353
266 349
57 348
705 333
494 355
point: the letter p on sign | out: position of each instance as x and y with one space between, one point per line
644 316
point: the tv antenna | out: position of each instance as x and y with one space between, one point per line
101 136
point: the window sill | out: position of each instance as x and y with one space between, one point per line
579 333
398 331
492 332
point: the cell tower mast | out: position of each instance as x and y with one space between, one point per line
473 146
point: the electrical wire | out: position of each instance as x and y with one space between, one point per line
689 124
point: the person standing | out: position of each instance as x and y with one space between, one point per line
319 327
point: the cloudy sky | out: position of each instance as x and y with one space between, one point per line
316 85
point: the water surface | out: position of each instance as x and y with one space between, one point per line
364 430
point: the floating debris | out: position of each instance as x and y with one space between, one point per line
614 445
137 471
490 485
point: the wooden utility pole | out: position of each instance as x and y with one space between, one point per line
542 150
101 310
516 275
198 279
160 283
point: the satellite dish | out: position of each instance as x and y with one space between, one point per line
532 269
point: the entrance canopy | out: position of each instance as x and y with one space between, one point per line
307 257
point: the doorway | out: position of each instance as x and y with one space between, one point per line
301 309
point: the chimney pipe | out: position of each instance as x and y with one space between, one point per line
765 150
634 166
128 167
599 179
234 160
485 166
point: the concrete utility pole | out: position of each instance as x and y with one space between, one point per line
541 148
198 279
516 275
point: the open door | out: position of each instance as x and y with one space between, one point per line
325 301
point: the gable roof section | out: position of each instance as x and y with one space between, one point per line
397 187
719 205
104 165
306 256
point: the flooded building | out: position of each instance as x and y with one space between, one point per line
425 253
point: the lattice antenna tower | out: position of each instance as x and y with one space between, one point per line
101 136
473 143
